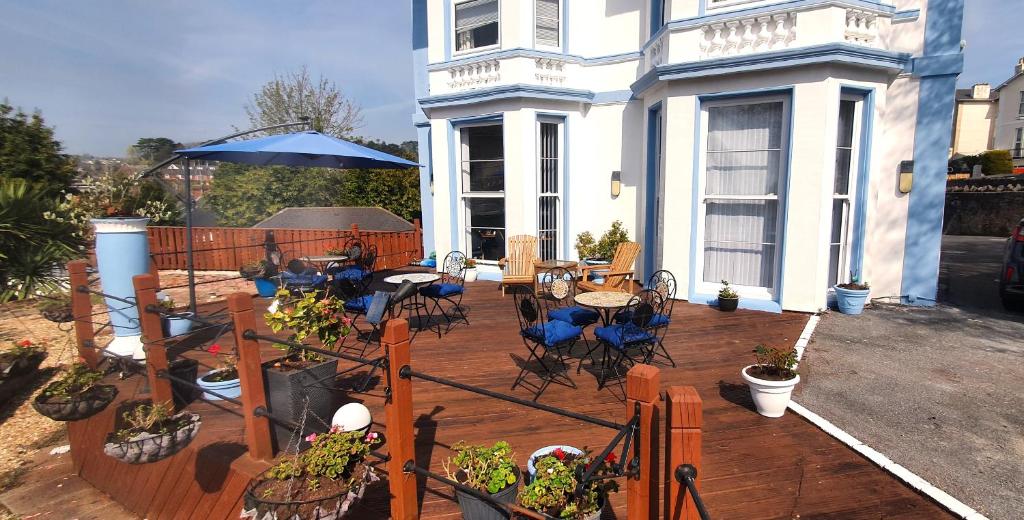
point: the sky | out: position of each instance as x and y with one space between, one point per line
106 73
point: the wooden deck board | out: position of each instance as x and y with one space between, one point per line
754 467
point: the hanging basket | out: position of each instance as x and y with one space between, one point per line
77 407
151 447
58 314
334 507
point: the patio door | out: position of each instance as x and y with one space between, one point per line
844 191
741 195
550 136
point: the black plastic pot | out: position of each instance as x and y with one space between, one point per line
728 304
474 508
76 407
188 370
287 392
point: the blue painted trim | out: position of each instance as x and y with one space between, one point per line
426 179
564 15
863 176
910 15
448 36
655 16
702 7
653 179
942 36
521 52
519 90
453 185
817 54
774 305
941 65
421 81
612 96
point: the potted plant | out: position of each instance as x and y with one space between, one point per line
178 324
183 369
224 379
728 300
320 483
851 297
300 380
56 307
771 379
18 366
146 432
75 396
558 451
470 272
487 470
254 269
552 493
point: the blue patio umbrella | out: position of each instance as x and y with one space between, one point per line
308 149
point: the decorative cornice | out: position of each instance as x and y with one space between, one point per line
518 90
827 53
535 54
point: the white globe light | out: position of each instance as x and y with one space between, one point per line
352 417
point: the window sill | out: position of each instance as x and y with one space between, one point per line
476 50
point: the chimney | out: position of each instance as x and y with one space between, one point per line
1020 67
981 91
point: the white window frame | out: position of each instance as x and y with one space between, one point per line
1020 108
561 32
560 223
1018 145
745 291
849 208
474 50
465 242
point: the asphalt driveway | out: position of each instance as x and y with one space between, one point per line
937 390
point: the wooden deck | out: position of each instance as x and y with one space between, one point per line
754 467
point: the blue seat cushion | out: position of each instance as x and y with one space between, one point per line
621 335
441 290
658 320
553 332
355 274
358 304
311 280
575 315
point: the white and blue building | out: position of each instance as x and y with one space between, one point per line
783 145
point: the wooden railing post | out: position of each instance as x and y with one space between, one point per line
250 375
81 309
643 383
398 412
683 440
153 338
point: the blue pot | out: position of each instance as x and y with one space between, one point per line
265 287
177 326
230 388
122 251
851 301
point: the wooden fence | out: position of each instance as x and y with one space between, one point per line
226 249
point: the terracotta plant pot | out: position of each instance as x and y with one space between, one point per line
76 407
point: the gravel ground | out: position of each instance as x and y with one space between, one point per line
23 432
937 390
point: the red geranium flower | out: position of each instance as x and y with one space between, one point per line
610 459
559 454
25 343
214 349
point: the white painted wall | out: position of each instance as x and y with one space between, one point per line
1007 120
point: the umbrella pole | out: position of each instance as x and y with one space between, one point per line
188 239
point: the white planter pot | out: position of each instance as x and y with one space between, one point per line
770 397
471 274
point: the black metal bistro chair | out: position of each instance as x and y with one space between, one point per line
558 291
548 342
449 288
663 283
301 278
632 341
358 305
361 271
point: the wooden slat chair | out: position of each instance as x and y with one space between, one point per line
618 275
518 265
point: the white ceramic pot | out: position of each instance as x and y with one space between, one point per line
770 397
471 274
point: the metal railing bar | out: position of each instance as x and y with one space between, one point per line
686 474
408 372
84 289
263 412
251 334
588 475
164 375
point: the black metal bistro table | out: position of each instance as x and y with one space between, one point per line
417 303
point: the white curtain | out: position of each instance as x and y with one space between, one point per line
471 15
744 161
547 22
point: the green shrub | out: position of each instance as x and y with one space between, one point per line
996 162
587 247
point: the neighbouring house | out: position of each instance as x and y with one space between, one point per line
761 142
370 219
991 119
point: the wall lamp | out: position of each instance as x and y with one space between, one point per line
616 183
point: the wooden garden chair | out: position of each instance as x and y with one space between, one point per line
517 266
618 275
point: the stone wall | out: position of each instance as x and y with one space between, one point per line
986 213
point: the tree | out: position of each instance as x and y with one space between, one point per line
397 191
29 151
243 195
289 98
996 162
152 150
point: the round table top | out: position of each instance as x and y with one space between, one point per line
603 299
325 258
551 264
416 278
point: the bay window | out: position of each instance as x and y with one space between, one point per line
483 190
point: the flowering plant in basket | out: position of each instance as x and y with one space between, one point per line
553 490
149 432
312 314
23 357
321 482
75 396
